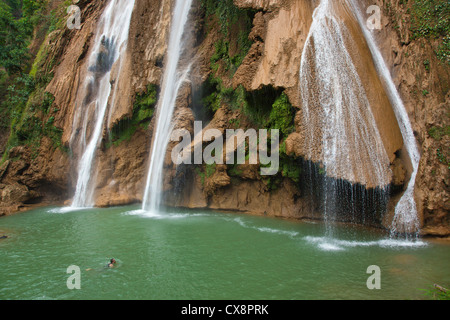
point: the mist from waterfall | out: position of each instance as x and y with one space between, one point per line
98 96
172 80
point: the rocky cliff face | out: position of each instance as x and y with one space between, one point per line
244 60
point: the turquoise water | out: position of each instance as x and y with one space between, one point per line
206 255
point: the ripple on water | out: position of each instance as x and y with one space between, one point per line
330 244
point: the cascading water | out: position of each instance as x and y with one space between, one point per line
110 44
406 220
173 79
340 130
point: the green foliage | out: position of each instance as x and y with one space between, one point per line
25 105
123 131
210 170
47 102
3 80
235 123
28 128
443 52
56 20
431 19
16 7
233 170
258 106
15 100
144 105
201 174
268 108
437 133
444 159
290 168
235 26
437 294
220 56
272 182
217 94
39 100
227 13
282 116
37 69
14 36
143 110
18 20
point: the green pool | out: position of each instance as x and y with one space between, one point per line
183 254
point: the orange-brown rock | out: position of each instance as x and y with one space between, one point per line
218 180
14 193
280 29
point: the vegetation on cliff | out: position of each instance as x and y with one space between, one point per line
143 109
267 108
25 70
235 25
431 19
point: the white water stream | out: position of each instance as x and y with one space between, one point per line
338 118
173 79
406 218
110 44
340 130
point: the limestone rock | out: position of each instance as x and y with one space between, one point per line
399 173
14 194
218 180
111 200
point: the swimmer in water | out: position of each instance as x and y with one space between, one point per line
111 263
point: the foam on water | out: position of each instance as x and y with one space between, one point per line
264 229
330 244
163 215
270 230
63 210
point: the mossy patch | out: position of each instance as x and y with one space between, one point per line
437 133
143 111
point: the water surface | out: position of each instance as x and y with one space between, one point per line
206 255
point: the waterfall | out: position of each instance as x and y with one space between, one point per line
110 44
339 127
406 218
172 80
